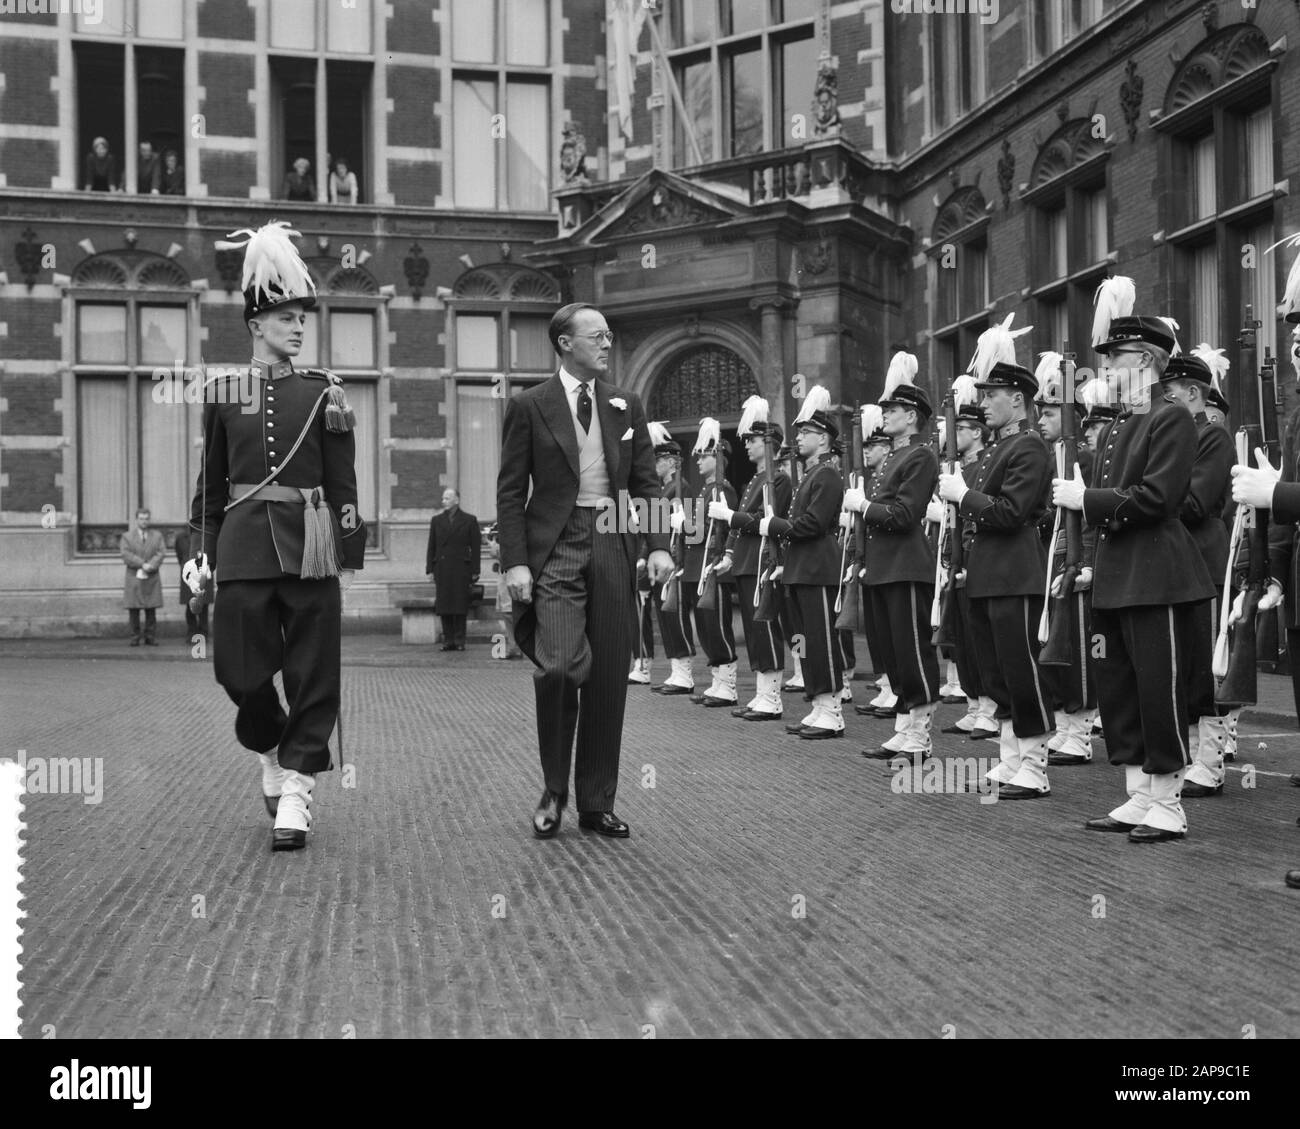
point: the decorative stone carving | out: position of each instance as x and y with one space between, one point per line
1223 57
825 103
573 156
130 270
416 268
1130 97
961 209
27 253
230 265
1006 172
815 256
1210 17
665 209
507 281
703 381
1070 145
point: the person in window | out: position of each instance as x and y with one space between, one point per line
172 181
148 175
299 184
452 562
343 183
102 173
142 552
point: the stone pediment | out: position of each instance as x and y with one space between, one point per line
659 202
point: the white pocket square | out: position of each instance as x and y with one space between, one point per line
627 435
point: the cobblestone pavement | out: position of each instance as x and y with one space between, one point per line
772 886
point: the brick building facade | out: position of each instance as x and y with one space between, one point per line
819 184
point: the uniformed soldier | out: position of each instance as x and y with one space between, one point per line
843 635
788 456
275 509
705 542
980 719
1006 562
1148 576
1188 380
899 568
812 565
876 446
674 620
748 556
1284 561
1073 688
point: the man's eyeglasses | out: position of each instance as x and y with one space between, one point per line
606 336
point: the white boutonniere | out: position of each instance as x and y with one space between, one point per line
619 403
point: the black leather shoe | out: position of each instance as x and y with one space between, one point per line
880 753
1292 879
818 733
1295 780
272 804
151 642
740 711
287 839
956 729
1194 791
447 647
698 699
1144 834
952 699
865 710
1065 760
549 813
1018 792
794 727
1105 823
713 703
789 689
981 735
757 715
669 690
886 712
605 822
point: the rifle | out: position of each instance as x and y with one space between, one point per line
944 610
672 586
1237 664
707 590
1054 625
765 589
849 605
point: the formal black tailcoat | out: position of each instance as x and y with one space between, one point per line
1145 554
897 547
1005 555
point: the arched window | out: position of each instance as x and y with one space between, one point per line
1217 121
497 343
135 315
959 279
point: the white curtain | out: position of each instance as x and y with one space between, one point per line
1205 299
1259 153
102 450
527 34
473 31
528 171
1204 193
363 397
479 416
293 24
348 27
474 166
165 477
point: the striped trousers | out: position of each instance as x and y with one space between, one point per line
901 613
713 628
963 651
643 631
580 638
814 610
1200 662
675 627
1074 687
1142 669
1004 630
763 642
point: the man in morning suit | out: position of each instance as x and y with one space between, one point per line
583 447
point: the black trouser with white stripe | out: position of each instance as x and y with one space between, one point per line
713 627
901 612
763 642
848 653
675 626
968 669
1004 631
789 615
1142 667
814 612
644 631
1200 662
1073 688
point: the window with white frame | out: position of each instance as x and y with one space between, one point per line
501 104
956 48
746 72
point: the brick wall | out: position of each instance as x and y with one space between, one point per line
29 404
411 25
31 329
31 481
26 99
226 19
30 163
416 404
416 332
226 80
419 478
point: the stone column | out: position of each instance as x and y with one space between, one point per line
773 380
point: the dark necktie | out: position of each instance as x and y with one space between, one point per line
584 407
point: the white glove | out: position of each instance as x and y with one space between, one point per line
1083 581
724 564
934 511
676 521
720 511
1238 612
197 575
846 520
777 573
764 526
855 501
1068 492
952 488
141 574
1272 596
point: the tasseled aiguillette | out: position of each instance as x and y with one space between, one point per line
338 414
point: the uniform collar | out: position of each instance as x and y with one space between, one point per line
972 456
276 371
1013 428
